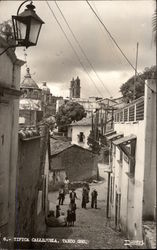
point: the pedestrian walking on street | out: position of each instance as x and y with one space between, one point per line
69 217
61 196
85 197
94 195
72 207
66 185
71 214
73 196
57 211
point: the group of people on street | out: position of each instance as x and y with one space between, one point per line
63 191
71 212
69 219
56 221
85 197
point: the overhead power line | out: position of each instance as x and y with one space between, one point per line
111 36
72 47
99 19
83 52
105 35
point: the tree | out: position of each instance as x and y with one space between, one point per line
6 30
127 89
50 121
68 113
93 144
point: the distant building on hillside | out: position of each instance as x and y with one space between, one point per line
48 101
30 111
60 101
75 88
79 131
35 103
106 102
90 104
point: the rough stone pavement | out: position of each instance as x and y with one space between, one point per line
91 230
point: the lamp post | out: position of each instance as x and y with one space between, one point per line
26 27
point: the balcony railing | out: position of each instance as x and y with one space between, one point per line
131 113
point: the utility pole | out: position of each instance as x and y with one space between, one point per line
92 122
135 77
108 195
112 118
101 121
106 116
96 125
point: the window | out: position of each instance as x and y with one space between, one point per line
131 113
81 137
121 116
35 94
140 111
117 117
128 145
125 115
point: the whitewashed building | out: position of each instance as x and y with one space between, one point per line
79 132
10 71
132 180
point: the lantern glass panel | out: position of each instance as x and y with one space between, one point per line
21 30
34 31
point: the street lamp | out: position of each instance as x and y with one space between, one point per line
26 27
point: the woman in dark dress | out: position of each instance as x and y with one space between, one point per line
85 197
71 216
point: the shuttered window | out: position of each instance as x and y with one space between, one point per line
131 113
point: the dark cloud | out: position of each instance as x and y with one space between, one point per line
54 61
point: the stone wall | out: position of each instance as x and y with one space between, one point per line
28 175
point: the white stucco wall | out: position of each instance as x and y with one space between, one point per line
149 199
10 71
76 131
131 190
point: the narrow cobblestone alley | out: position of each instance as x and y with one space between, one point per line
91 230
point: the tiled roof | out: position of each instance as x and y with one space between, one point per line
28 132
57 146
87 121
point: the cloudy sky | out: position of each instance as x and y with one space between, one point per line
54 61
